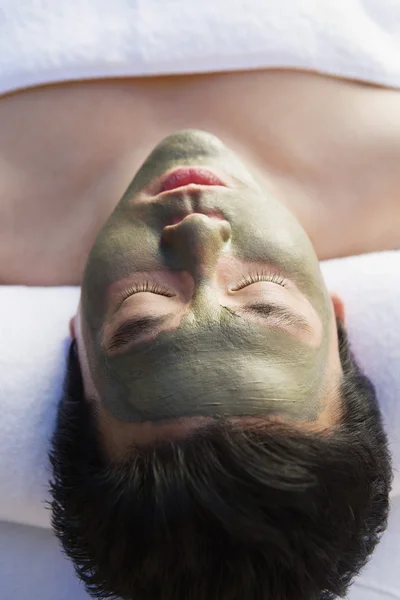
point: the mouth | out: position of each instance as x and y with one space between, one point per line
188 177
179 192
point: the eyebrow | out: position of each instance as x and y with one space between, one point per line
282 312
132 328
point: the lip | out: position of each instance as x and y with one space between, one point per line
184 178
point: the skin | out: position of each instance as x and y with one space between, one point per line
212 356
328 148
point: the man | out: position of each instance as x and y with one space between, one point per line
216 438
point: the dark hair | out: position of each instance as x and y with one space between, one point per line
230 514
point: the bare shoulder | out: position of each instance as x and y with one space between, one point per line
67 159
69 151
345 185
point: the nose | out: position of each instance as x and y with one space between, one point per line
198 240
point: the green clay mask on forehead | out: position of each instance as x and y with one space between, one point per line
213 371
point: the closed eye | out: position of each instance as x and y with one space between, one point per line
260 276
146 286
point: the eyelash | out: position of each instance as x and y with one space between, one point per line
147 286
259 276
154 288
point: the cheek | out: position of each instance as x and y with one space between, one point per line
113 259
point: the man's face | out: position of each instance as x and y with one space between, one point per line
218 290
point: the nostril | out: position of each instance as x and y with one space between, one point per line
226 231
167 235
212 214
186 229
197 227
176 220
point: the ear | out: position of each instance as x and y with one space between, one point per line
338 307
72 328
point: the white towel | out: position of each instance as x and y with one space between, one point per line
45 41
34 342
33 347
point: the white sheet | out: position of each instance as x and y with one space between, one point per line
33 345
46 41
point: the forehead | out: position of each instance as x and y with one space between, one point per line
228 370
